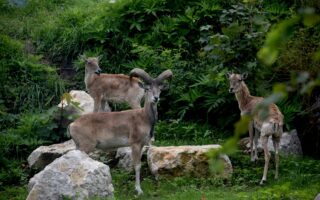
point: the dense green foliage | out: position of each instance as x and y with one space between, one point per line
27 89
26 84
199 40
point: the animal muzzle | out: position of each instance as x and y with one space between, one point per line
155 99
98 71
231 90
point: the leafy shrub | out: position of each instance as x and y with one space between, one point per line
16 144
199 41
290 108
27 89
26 85
298 54
4 5
179 132
86 30
13 172
32 130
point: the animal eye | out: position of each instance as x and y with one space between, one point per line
164 86
146 88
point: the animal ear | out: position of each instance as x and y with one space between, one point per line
83 57
99 57
244 76
164 86
228 74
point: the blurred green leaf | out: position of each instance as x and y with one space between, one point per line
216 166
276 38
308 88
67 97
268 55
310 18
316 55
280 88
241 127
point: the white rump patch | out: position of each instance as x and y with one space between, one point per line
267 129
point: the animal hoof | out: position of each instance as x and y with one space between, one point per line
262 182
139 191
254 159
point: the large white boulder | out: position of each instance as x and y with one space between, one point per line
124 158
44 155
73 176
184 160
289 144
84 100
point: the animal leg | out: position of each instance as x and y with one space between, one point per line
105 106
151 141
251 140
256 134
264 140
97 103
83 142
136 158
276 143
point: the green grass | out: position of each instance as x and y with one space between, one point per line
299 179
14 193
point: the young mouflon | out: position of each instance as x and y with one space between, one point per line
272 125
104 88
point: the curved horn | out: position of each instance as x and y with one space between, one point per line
164 75
136 72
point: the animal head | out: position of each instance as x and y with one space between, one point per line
235 81
92 64
152 86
